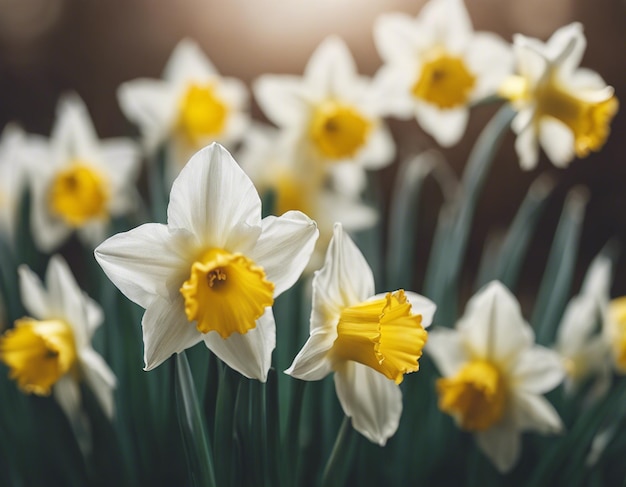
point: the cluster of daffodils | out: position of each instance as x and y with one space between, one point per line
218 268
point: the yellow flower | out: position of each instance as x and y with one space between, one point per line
565 109
212 273
493 375
52 352
369 341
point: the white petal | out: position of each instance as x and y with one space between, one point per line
423 306
249 354
567 46
396 35
100 379
491 59
527 148
557 140
145 261
372 401
348 179
48 231
188 63
211 196
331 70
353 215
597 281
535 413
585 80
166 331
151 104
493 327
529 61
537 370
312 362
380 149
454 27
577 325
447 350
73 135
283 99
446 126
34 297
121 158
501 443
392 87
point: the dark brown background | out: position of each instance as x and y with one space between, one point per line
48 47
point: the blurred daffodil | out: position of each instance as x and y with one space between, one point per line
436 66
615 332
369 341
494 376
78 181
332 114
583 347
565 109
50 351
12 179
270 161
192 106
212 273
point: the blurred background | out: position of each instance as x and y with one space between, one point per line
48 47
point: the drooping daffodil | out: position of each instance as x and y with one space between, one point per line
494 375
12 179
436 66
564 109
369 341
581 340
333 115
78 181
212 272
50 351
269 159
190 107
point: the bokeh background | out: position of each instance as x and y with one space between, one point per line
48 47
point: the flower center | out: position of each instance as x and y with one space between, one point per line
78 194
588 120
38 353
337 130
382 334
476 396
202 113
226 293
444 81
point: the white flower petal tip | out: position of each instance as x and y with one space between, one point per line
492 349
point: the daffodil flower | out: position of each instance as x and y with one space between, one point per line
192 106
269 160
12 179
565 109
212 273
494 376
436 66
369 341
332 114
50 351
580 340
78 181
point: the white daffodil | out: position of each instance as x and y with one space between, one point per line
332 114
12 179
269 160
50 351
494 376
369 341
436 66
212 273
580 343
565 109
192 106
78 181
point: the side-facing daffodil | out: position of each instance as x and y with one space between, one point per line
12 179
565 109
369 341
190 107
436 66
580 340
269 159
50 350
494 376
78 181
212 273
333 115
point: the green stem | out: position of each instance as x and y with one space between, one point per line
338 465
